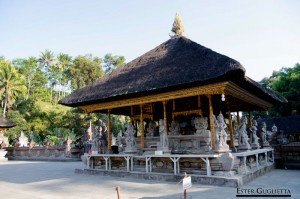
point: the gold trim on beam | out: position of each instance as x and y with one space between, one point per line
217 88
238 92
185 113
227 88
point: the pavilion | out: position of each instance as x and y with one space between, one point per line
177 78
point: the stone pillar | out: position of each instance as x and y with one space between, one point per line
108 131
142 128
211 122
165 117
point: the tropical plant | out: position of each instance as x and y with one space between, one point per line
11 85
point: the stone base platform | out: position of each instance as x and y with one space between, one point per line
234 181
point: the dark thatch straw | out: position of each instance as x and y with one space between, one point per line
175 64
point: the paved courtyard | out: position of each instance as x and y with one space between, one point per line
57 180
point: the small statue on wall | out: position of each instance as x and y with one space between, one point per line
253 136
243 137
130 140
174 128
151 129
221 135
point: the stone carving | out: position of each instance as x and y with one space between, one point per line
174 128
243 140
253 136
163 144
227 162
221 135
3 140
130 140
23 140
263 135
151 129
201 126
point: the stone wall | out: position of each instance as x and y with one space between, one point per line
54 153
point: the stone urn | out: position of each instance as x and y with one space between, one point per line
2 155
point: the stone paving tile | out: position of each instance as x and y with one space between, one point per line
43 180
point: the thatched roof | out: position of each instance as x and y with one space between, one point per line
175 64
4 123
288 124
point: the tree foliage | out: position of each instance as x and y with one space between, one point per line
31 87
287 83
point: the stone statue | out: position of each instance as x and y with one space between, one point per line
201 126
23 140
151 129
274 129
32 144
68 146
102 130
243 137
95 142
163 144
3 140
263 135
119 141
174 128
130 140
90 132
253 136
221 135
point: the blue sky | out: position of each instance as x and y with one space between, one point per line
262 35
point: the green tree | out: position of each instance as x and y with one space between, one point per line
287 83
112 62
11 84
85 70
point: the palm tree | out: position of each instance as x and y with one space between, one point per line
46 58
11 84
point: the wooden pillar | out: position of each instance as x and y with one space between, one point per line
199 105
165 117
230 127
142 128
249 120
238 119
108 131
211 122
